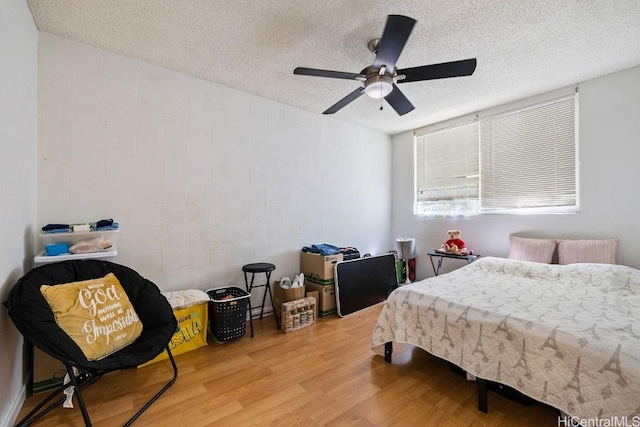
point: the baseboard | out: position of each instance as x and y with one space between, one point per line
11 408
268 311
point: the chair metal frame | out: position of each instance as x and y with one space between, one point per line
82 380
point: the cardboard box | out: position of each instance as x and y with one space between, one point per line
326 296
191 333
281 296
319 268
315 295
48 373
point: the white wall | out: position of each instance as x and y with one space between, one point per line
18 117
609 183
202 178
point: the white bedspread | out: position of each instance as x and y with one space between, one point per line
568 336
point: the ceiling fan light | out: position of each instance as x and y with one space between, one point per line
378 86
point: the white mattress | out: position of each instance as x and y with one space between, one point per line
568 336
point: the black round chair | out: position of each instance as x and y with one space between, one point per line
34 319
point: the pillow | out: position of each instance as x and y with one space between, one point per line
96 314
529 249
598 251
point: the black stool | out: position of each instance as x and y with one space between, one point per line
259 267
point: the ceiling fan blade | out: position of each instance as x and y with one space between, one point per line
466 67
328 73
395 35
399 102
344 101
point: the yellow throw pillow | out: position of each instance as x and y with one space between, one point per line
96 314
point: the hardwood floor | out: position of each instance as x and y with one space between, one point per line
325 374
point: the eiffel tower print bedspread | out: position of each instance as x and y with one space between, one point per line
565 335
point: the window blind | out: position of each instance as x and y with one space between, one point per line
528 157
447 171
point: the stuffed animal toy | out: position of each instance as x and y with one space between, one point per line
455 244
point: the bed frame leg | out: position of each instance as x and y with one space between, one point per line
388 350
482 395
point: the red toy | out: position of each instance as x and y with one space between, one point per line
455 244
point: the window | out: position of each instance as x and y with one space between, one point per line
517 161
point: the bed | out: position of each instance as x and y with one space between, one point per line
564 335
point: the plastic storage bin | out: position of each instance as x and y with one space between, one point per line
74 237
228 312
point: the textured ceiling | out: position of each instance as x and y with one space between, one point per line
523 47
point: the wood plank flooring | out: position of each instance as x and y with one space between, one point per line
325 374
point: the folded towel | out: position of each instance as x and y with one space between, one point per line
186 298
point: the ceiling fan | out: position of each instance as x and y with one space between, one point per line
380 78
